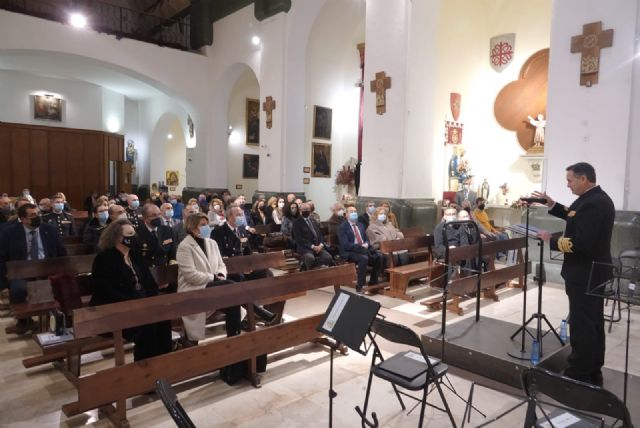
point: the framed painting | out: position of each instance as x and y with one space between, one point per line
253 122
320 160
306 169
47 107
322 122
250 166
172 178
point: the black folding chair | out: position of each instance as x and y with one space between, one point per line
430 378
572 396
168 397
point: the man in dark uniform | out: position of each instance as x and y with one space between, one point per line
586 239
61 220
133 210
157 243
309 241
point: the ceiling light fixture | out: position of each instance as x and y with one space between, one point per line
255 40
78 20
170 136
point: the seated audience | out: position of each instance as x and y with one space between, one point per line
216 213
291 214
202 203
291 197
96 225
44 206
166 211
61 220
133 210
380 229
241 201
484 223
308 239
391 217
90 201
28 238
354 247
179 230
118 275
465 194
5 209
452 239
116 212
314 215
258 214
272 204
178 206
26 193
336 219
157 244
67 206
278 212
200 265
367 216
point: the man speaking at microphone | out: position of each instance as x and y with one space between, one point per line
586 239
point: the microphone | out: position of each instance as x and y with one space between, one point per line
534 200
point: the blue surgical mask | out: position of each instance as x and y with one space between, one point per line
371 210
103 216
168 213
174 201
205 231
241 221
58 206
134 205
382 217
353 217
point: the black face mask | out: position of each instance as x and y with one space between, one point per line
305 214
481 207
468 209
130 242
156 222
35 222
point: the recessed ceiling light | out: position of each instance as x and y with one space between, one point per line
78 20
255 40
170 136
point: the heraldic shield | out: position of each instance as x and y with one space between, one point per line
501 51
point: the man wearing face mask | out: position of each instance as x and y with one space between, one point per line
354 247
484 223
156 242
452 239
96 225
309 241
336 219
28 239
466 194
26 193
366 218
61 220
133 210
166 209
241 201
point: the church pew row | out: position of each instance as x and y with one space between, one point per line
66 355
418 249
114 385
485 282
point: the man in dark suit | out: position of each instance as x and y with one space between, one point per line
354 247
309 241
586 239
465 195
61 220
28 239
157 242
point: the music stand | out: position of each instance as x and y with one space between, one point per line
347 320
624 281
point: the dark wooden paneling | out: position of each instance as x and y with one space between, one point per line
75 169
21 172
39 152
92 164
58 161
116 148
5 154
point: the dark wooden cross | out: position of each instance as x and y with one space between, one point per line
588 44
268 106
379 86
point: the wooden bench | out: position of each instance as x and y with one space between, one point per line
77 239
108 389
421 263
413 232
485 282
80 249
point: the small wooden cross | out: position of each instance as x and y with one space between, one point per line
268 106
589 44
379 86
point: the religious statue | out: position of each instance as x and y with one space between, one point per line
131 153
484 190
538 139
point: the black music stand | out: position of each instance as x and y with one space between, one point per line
622 288
347 320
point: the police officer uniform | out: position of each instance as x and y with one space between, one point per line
586 239
157 245
62 221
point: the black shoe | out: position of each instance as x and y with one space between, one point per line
264 314
186 343
359 290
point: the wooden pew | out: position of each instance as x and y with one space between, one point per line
487 281
116 384
419 249
79 249
412 232
77 239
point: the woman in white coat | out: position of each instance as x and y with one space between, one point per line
200 265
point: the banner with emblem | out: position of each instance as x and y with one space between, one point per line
501 51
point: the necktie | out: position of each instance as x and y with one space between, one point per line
33 251
357 233
313 230
155 235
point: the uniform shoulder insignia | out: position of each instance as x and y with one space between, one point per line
571 213
565 245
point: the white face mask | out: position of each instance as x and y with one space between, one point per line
280 204
216 207
340 213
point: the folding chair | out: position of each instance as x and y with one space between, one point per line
572 396
168 397
405 364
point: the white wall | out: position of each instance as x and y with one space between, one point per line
632 181
332 69
465 28
245 87
592 124
112 111
176 155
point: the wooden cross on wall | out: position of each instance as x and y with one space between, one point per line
268 106
379 86
589 44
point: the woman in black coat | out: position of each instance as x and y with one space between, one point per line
119 274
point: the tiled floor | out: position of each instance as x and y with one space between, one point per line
295 386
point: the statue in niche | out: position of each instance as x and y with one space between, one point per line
484 190
538 139
131 153
459 168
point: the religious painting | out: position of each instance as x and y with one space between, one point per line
172 178
322 122
453 133
320 160
47 107
501 51
253 122
250 166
